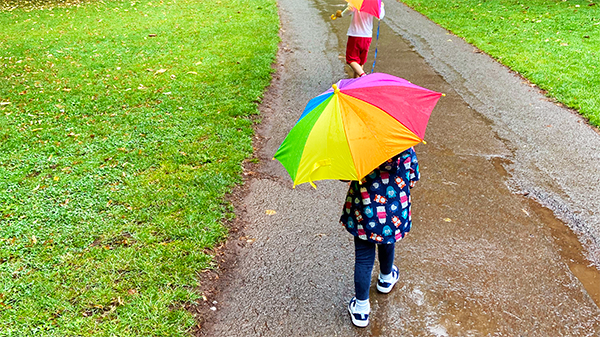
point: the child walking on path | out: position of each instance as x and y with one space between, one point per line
377 213
359 34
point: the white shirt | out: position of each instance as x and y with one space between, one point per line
362 23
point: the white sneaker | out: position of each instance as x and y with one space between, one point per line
361 320
386 287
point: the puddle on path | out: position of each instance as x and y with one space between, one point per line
571 251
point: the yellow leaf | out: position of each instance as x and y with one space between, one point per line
270 212
56 178
448 220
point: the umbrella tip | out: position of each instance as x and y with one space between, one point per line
335 88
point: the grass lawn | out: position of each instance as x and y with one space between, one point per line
555 44
122 126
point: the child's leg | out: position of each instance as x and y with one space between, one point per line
353 54
363 267
388 275
386 258
357 68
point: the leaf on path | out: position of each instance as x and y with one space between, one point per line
270 212
448 220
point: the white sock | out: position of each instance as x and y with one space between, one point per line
363 306
388 278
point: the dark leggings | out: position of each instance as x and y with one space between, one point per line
364 261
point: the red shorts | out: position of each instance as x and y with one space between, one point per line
357 49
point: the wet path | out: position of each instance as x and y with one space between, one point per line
480 260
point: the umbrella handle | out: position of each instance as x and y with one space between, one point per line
333 17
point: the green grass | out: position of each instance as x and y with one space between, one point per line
555 44
116 150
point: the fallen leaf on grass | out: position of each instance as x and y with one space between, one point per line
160 71
192 72
4 103
270 212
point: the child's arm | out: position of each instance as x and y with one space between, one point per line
415 174
349 9
382 11
339 13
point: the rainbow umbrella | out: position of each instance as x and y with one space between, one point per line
367 6
353 127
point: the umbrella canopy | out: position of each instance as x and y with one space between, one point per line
367 6
353 127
